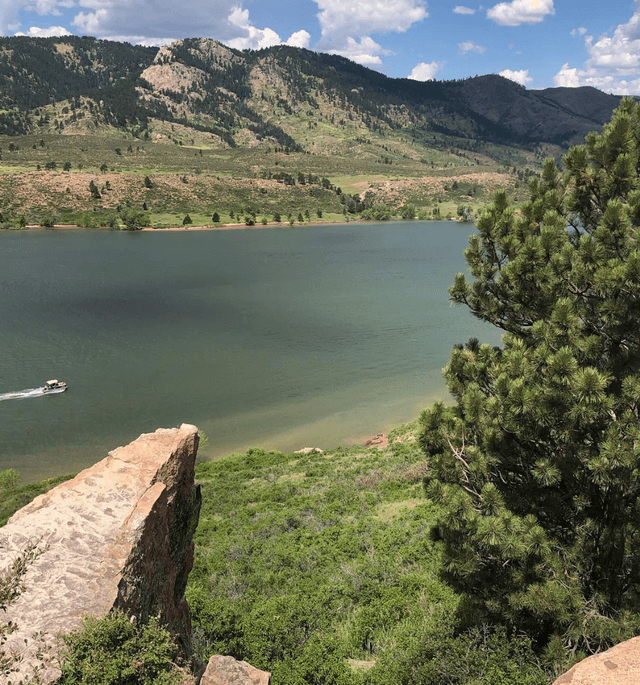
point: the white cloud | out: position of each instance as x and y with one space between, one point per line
255 38
520 12
339 19
143 40
470 46
43 7
347 26
37 32
156 22
461 9
299 39
89 22
151 21
10 12
366 52
425 71
620 52
574 77
613 64
566 78
522 77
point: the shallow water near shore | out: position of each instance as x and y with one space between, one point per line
280 338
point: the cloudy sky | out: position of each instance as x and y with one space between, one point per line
539 43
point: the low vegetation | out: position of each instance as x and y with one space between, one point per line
320 568
158 183
111 650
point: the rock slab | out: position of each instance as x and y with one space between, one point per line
225 670
619 665
118 535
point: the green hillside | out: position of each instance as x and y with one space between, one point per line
205 123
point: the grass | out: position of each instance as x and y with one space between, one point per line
321 568
197 177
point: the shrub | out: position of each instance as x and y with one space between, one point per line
408 211
93 189
9 479
134 219
113 651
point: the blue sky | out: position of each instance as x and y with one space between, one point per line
539 43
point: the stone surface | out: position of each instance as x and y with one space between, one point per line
378 440
119 534
225 670
619 665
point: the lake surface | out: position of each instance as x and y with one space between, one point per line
281 337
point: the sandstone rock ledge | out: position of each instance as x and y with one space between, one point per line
619 665
225 670
119 534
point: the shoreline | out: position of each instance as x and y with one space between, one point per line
204 227
227 227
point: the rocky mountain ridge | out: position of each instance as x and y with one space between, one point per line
278 96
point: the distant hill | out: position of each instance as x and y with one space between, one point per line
280 96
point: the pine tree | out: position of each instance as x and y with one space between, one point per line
537 465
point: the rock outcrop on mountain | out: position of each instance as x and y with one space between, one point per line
118 535
619 665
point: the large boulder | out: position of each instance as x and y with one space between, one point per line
619 665
225 670
118 535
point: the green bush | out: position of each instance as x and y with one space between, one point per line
9 479
134 219
408 211
113 651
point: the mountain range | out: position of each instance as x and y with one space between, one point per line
282 96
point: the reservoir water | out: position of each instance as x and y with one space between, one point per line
280 338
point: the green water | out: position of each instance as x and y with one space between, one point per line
282 338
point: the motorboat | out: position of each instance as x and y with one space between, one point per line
54 386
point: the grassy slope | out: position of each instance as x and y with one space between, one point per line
192 177
320 568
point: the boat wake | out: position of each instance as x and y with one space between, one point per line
22 394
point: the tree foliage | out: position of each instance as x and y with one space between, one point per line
537 464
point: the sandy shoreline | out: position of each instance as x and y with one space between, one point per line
225 227
206 227
231 227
